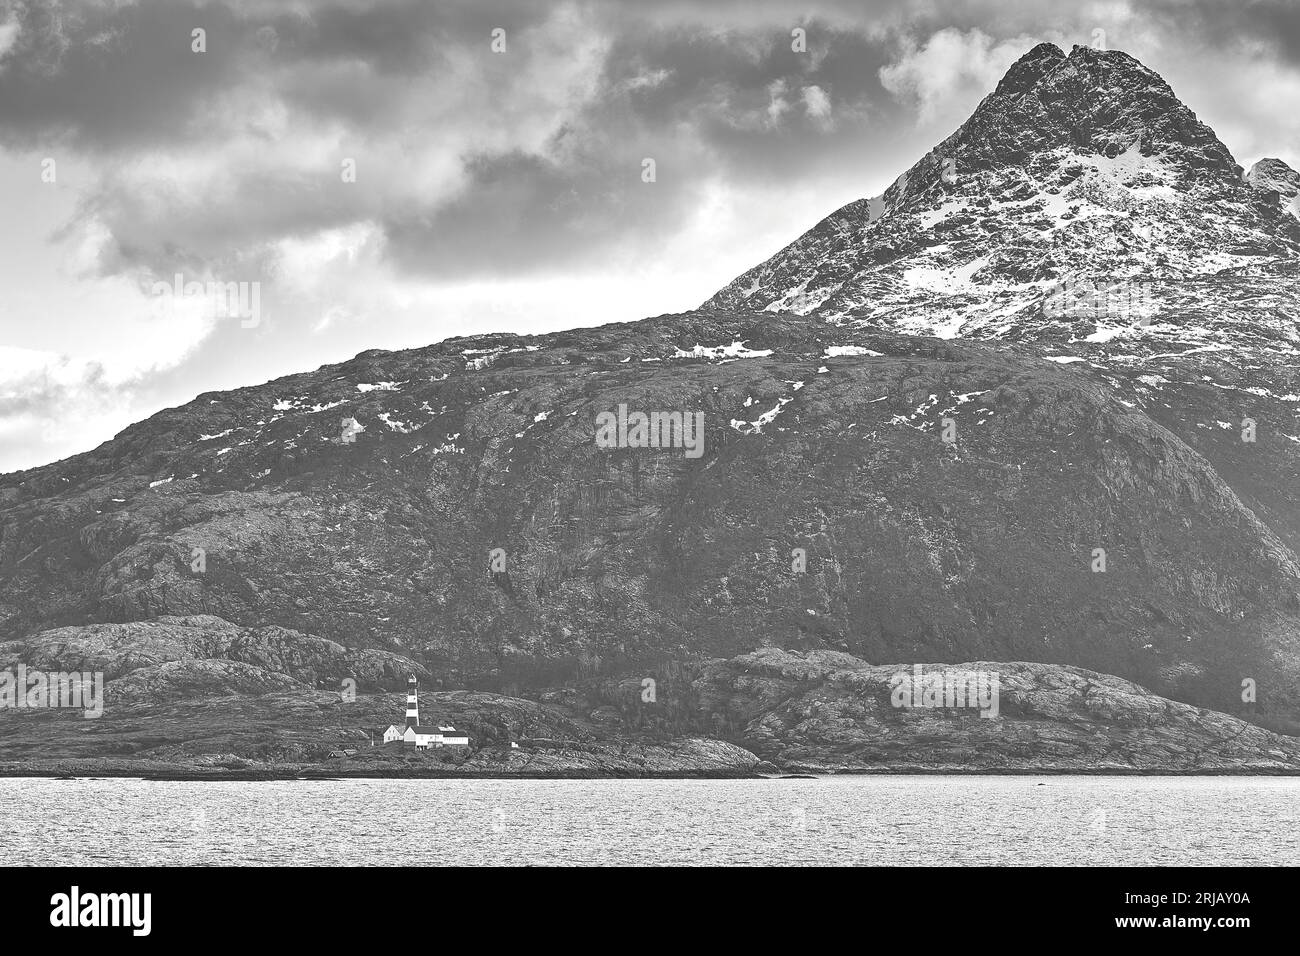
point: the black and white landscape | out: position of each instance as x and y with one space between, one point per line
994 469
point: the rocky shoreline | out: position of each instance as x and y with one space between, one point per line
162 771
688 758
765 713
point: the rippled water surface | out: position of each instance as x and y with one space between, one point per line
841 820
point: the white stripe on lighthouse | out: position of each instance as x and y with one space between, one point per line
412 705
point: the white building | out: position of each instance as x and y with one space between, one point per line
442 735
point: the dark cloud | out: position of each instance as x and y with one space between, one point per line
724 88
528 173
522 212
1274 24
113 76
703 107
106 77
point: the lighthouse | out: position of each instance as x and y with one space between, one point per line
442 735
412 705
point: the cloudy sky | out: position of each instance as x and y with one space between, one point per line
395 172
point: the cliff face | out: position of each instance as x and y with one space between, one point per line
620 560
913 451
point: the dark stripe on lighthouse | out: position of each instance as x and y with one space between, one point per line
412 705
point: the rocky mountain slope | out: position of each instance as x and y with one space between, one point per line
1065 336
1077 170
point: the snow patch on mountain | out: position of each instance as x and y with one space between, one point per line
834 351
756 426
734 350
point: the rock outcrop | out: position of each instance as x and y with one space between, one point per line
156 646
1278 179
769 711
826 712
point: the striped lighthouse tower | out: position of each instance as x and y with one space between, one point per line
412 705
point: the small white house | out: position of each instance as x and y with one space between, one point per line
443 735
451 737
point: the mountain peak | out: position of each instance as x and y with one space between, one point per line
1027 71
1084 167
1044 50
1279 181
1274 174
1099 101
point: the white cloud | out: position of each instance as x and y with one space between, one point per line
952 71
817 104
1246 102
52 404
777 105
8 36
303 264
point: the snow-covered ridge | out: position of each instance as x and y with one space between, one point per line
1115 185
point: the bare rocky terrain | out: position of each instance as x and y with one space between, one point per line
766 712
916 393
